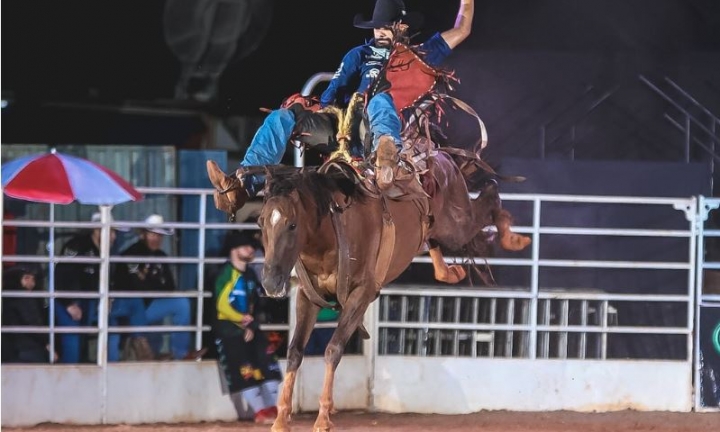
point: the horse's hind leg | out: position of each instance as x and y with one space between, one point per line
509 240
306 316
350 318
488 204
451 274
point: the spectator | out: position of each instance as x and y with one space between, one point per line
248 369
75 312
148 276
24 347
320 337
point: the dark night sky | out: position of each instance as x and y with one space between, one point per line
112 51
115 50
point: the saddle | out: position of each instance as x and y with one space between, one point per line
409 184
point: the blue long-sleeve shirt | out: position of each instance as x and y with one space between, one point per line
362 64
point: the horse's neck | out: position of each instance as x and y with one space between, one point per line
320 238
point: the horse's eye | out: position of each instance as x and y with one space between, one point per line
292 227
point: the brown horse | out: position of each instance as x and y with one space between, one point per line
342 238
347 244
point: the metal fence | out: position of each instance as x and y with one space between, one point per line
707 319
104 295
603 276
541 320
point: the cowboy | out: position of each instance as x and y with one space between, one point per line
75 312
364 64
143 276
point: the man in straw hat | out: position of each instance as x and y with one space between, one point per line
362 64
146 276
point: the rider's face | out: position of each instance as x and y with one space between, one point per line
383 37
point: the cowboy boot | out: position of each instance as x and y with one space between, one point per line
230 195
386 160
142 349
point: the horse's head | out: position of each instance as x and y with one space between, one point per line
284 231
296 204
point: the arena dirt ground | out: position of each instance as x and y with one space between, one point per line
495 421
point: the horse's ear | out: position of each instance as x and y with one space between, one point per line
268 180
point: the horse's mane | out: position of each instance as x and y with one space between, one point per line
313 185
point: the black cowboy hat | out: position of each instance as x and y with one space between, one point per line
386 13
234 239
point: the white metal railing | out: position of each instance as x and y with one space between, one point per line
704 300
534 295
534 301
104 260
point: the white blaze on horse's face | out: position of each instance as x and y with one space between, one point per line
275 217
282 238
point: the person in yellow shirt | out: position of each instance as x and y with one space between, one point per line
248 370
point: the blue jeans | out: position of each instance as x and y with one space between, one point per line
268 145
383 118
134 310
179 310
319 339
71 343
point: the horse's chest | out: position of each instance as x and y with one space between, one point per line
327 283
323 273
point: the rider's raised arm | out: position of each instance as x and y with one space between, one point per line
463 24
345 75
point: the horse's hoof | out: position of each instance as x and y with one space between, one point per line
281 424
515 242
280 428
324 428
455 273
323 423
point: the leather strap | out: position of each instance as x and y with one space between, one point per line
387 245
342 279
307 286
423 207
482 142
422 111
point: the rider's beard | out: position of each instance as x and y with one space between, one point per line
383 43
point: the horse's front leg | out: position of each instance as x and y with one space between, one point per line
350 318
306 316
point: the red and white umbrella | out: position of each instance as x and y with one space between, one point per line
61 179
57 178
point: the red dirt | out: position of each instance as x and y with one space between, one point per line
492 421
